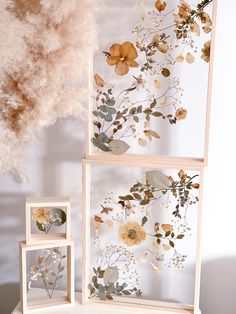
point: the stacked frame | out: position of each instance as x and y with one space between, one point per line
104 219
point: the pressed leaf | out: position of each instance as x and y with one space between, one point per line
126 292
157 114
137 196
109 297
165 72
195 185
180 236
144 220
118 147
171 244
59 216
144 257
157 179
126 198
40 226
151 133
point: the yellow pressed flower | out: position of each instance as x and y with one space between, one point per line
132 233
122 56
42 215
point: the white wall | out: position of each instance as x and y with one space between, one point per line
54 168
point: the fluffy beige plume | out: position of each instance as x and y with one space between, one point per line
44 52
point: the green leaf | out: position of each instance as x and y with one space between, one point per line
159 235
118 147
40 226
58 217
126 198
165 72
137 196
157 179
100 142
126 292
172 244
157 114
144 220
180 236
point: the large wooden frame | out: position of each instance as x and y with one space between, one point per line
158 307
45 305
161 159
47 202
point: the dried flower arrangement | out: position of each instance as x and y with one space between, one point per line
45 218
130 221
48 270
163 39
44 53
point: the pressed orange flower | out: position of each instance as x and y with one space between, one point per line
206 51
122 56
160 5
132 233
42 215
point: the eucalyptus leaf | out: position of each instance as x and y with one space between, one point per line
157 179
58 216
40 226
118 147
100 142
111 275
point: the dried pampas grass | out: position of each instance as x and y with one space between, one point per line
44 51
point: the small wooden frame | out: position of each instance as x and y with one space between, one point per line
68 299
141 304
47 202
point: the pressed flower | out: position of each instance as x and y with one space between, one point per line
140 82
182 175
122 56
181 114
132 233
206 51
160 6
42 215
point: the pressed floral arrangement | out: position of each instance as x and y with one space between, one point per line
143 228
145 88
46 218
48 270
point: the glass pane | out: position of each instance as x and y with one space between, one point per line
46 276
151 77
48 220
143 233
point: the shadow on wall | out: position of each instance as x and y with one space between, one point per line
7 291
218 286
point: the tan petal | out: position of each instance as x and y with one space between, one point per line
166 227
115 50
98 80
128 50
190 58
157 83
112 60
195 28
163 48
131 63
179 58
121 68
206 29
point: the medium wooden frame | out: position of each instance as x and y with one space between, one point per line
158 307
161 159
69 300
47 202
